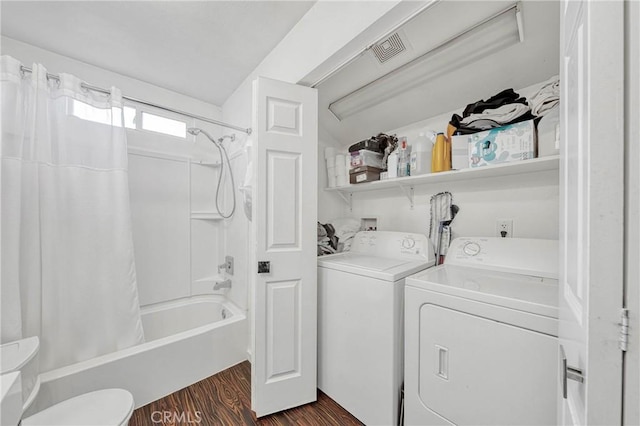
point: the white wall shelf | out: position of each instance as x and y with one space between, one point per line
184 157
206 215
406 184
206 163
206 285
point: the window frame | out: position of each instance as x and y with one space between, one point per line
140 108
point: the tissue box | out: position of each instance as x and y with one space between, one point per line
364 174
514 142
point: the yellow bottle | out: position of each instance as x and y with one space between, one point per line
450 131
439 157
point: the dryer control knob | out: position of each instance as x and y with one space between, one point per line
471 249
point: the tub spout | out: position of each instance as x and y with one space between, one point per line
219 285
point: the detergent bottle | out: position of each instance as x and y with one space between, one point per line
440 160
421 154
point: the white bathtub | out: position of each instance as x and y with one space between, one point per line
187 340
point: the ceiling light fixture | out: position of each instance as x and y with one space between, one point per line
488 36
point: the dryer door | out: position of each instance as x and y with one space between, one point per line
473 370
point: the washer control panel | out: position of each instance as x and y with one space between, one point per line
392 244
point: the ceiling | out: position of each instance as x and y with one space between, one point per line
517 66
203 49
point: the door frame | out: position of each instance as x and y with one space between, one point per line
631 408
592 34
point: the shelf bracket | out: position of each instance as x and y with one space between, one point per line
347 200
408 192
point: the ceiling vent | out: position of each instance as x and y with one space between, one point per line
387 49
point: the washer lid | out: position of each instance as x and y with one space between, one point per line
382 268
111 407
528 293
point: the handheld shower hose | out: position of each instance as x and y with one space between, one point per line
196 131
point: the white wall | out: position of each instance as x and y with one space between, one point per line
531 200
236 229
172 251
533 208
55 63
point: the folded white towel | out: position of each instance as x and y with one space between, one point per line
543 108
546 98
501 115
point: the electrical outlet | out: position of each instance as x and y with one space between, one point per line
504 228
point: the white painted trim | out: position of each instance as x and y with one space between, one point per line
631 408
573 303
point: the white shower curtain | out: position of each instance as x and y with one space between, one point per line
68 271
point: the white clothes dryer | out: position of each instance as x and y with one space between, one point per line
360 321
481 335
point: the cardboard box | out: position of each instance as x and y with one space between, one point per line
514 142
364 174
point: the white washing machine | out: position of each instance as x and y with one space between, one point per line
481 335
360 321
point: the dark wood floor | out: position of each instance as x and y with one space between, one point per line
225 399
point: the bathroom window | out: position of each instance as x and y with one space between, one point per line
133 117
168 126
109 116
84 111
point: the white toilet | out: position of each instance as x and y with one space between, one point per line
112 407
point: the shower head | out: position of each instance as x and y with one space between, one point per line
196 131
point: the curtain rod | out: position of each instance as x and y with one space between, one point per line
24 69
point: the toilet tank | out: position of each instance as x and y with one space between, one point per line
22 355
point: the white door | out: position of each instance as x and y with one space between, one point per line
591 209
285 125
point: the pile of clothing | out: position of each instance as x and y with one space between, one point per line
327 240
504 108
546 98
337 236
507 107
544 105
